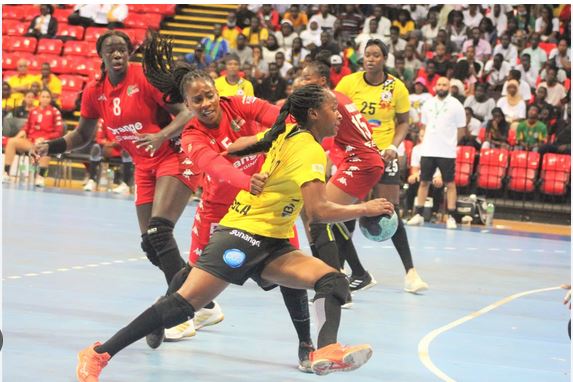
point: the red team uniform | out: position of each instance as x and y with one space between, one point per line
44 123
134 107
242 116
358 161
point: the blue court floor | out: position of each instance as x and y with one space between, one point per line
73 274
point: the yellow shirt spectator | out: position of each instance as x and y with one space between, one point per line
230 34
404 29
256 38
21 81
243 87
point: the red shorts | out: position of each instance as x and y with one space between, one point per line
172 165
206 220
357 176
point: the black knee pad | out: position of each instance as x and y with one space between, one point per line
333 284
149 251
173 310
321 234
160 233
178 280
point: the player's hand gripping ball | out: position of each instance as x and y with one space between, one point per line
379 228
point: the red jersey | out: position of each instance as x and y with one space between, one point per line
132 106
354 133
241 116
44 123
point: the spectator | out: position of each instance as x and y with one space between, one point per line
311 35
410 60
531 132
457 90
269 17
383 23
231 31
443 38
418 13
528 73
260 66
50 81
271 48
546 25
197 58
561 143
22 81
444 121
506 49
14 120
274 86
457 29
560 56
324 20
488 31
282 64
431 28
286 35
468 70
296 17
556 93
350 21
8 99
404 23
337 70
395 44
363 37
499 19
472 16
244 16
524 89
473 127
481 46
537 55
430 76
418 98
104 15
231 83
480 103
44 25
297 54
44 123
442 60
496 72
256 34
400 71
242 50
496 131
326 43
216 47
540 100
512 104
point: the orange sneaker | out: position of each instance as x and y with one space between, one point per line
336 357
90 364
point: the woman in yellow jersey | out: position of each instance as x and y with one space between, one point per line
252 239
231 83
384 101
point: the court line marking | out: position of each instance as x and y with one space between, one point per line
73 268
424 344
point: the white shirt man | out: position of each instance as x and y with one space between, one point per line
324 23
509 54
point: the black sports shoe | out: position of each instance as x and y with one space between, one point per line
361 282
155 338
304 350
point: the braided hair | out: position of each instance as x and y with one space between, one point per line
99 47
164 73
297 105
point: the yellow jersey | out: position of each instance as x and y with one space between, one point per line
243 87
295 158
378 104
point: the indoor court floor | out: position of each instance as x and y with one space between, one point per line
73 273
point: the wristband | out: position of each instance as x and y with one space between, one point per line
392 147
57 146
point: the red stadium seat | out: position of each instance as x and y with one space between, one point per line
61 14
143 21
522 172
68 100
555 174
50 46
14 28
19 44
17 12
162 9
80 48
465 158
93 33
10 60
492 168
83 66
72 83
137 36
71 31
7 74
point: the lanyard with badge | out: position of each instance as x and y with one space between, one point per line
437 110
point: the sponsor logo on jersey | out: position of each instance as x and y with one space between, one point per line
246 237
317 167
349 148
354 168
198 251
187 161
102 98
129 128
245 162
349 173
188 173
355 159
289 208
342 181
132 89
234 258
